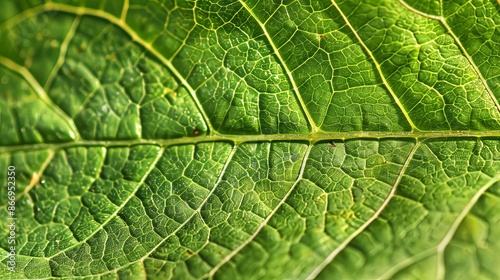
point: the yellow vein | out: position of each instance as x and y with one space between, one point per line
441 12
41 92
471 62
123 16
410 8
35 177
440 266
442 20
377 65
290 77
10 22
148 46
62 53
362 228
118 209
266 221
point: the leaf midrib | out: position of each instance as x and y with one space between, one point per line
312 138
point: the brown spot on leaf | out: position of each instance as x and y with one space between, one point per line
81 49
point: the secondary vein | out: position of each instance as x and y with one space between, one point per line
288 72
135 37
312 138
23 72
315 272
377 65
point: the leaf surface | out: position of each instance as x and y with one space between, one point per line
251 139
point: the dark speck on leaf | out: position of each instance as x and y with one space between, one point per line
196 132
189 252
357 194
332 144
321 36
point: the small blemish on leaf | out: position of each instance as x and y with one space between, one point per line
321 36
332 145
196 132
189 252
81 49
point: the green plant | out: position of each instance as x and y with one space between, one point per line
250 139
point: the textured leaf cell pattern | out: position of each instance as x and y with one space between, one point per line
251 139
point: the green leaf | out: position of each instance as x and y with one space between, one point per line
245 139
